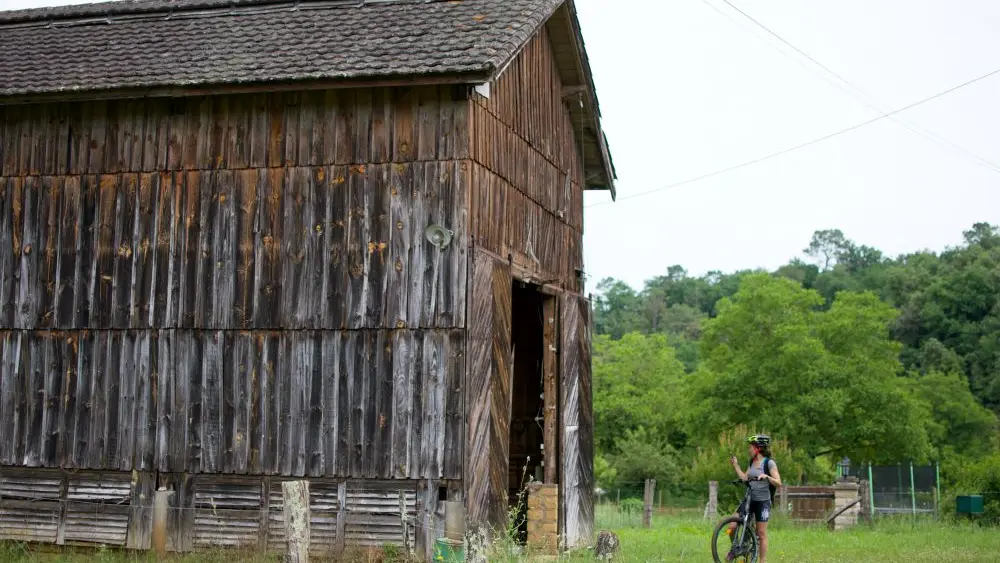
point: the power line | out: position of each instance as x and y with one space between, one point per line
807 143
858 93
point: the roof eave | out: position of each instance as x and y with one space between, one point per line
174 91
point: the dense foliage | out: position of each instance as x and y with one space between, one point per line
844 352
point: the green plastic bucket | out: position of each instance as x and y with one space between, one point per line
448 550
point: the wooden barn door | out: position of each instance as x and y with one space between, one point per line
488 392
577 423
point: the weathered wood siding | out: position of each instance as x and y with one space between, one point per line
362 404
489 392
254 212
526 195
235 284
577 446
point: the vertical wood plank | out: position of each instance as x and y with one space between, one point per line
384 381
259 131
241 409
319 237
397 283
123 250
335 268
143 296
164 303
224 242
404 125
417 384
428 123
402 421
50 201
381 128
204 265
362 129
245 206
212 440
268 249
28 295
9 389
454 408
418 299
358 232
377 271
127 384
331 394
345 386
85 277
284 416
297 210
230 438
8 252
82 435
68 252
70 356
314 419
191 351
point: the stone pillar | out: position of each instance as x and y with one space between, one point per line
844 494
543 518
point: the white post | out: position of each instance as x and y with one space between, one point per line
295 495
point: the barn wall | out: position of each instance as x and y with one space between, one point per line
290 211
526 195
235 286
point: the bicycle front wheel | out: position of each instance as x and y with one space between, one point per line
741 547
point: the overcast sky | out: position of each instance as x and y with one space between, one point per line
687 91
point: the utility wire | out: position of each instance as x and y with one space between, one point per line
805 144
857 92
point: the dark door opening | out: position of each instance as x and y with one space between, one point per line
527 415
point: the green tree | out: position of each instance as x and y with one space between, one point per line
828 381
958 424
637 382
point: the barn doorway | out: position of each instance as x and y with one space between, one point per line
529 343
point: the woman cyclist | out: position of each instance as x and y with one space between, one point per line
761 479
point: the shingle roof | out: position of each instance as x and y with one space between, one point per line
162 43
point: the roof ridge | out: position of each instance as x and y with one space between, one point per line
112 9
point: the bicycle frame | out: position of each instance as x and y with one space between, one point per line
746 518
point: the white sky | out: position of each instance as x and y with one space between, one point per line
687 91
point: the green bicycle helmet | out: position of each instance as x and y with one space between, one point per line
761 440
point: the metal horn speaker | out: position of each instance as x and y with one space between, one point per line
439 236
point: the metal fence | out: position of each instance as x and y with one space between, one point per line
901 488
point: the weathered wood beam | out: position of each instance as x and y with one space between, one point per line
550 379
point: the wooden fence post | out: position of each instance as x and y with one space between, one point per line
161 501
712 508
783 499
647 513
295 495
866 501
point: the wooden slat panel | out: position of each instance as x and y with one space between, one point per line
8 253
577 421
400 246
489 387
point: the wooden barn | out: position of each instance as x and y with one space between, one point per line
248 241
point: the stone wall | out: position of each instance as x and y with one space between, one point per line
844 494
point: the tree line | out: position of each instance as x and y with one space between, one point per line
844 352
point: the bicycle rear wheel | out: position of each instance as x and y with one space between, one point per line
723 545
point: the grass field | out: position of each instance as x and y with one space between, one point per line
682 536
685 536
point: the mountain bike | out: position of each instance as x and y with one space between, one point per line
742 546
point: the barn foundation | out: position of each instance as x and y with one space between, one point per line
543 518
